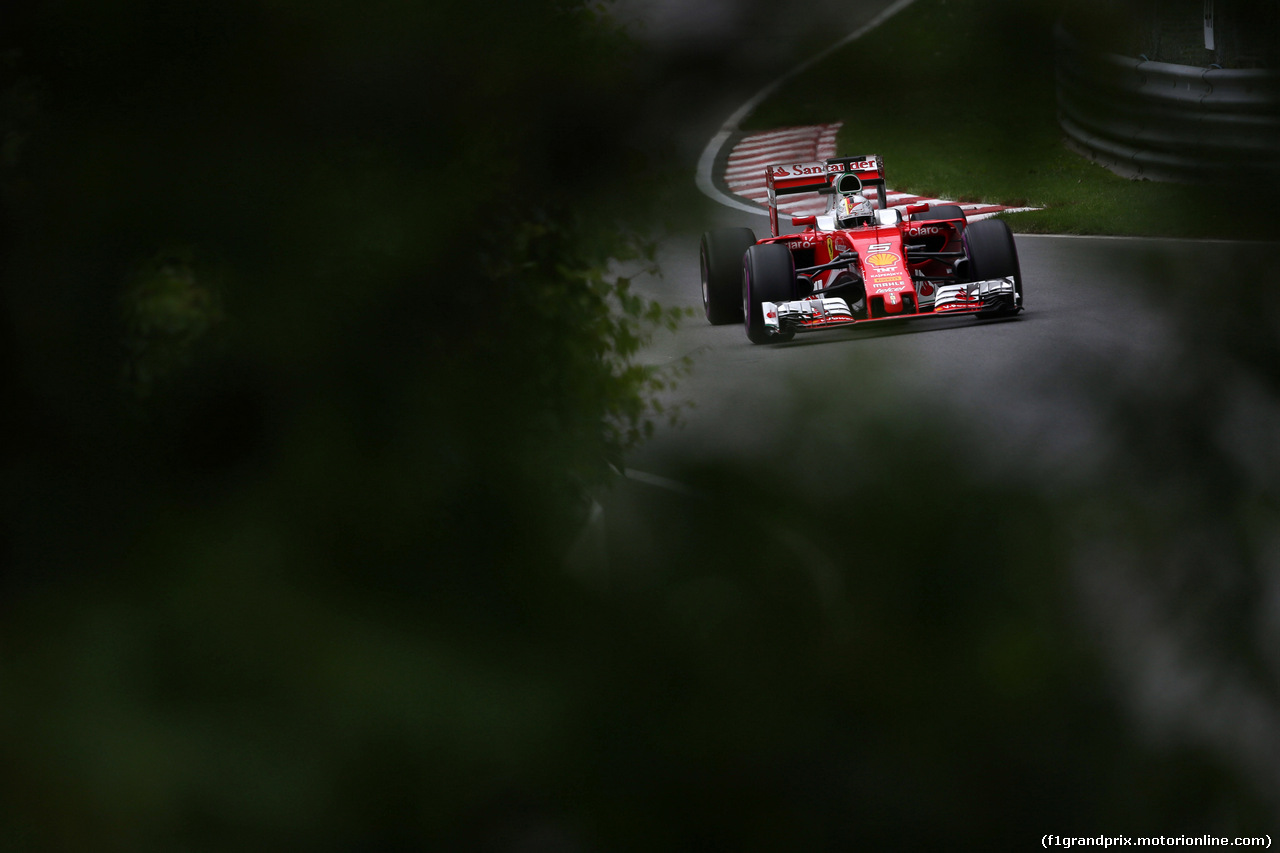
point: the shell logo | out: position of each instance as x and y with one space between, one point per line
882 259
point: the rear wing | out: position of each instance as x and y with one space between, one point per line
817 177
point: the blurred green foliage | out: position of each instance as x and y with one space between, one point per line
265 592
166 316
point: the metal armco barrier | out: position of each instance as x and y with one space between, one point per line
1168 122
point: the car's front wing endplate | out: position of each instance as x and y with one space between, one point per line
817 313
976 296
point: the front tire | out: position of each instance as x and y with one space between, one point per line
768 275
721 260
992 254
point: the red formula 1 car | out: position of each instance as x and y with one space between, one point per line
855 263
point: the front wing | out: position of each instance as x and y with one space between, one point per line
819 312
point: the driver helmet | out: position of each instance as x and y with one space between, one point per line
853 210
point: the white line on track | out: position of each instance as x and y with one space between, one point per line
816 142
730 126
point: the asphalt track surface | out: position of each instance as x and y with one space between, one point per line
1011 393
1003 373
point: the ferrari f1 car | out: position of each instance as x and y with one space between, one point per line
855 263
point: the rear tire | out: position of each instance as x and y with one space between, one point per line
992 254
721 260
768 275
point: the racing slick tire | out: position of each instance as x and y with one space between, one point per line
940 211
989 247
768 275
721 261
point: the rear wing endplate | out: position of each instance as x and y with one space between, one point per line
817 177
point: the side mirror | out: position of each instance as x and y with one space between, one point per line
804 220
916 208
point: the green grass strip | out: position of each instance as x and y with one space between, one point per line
958 98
